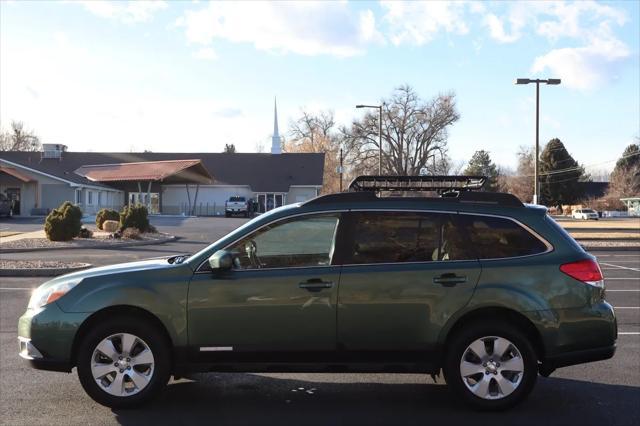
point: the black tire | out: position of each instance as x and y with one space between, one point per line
156 342
457 347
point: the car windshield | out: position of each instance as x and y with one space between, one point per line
587 211
237 199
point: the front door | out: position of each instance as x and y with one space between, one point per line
280 297
405 275
13 194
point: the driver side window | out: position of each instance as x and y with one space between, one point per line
297 242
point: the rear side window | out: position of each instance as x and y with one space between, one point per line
494 238
397 237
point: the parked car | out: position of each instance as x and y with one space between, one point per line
480 287
6 206
585 214
236 205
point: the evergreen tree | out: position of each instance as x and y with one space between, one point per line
559 175
481 165
229 148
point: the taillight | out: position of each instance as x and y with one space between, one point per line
587 271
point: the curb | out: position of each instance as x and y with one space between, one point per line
42 272
98 247
611 248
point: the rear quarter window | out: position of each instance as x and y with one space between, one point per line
495 238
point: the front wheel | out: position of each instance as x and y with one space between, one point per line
491 366
123 363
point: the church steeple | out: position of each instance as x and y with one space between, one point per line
275 139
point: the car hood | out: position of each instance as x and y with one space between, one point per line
119 268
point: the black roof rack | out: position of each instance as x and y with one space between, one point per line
439 184
455 189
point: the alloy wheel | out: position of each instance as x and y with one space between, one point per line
122 364
492 367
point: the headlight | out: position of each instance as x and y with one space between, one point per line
46 295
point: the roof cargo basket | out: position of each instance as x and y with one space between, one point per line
439 184
456 189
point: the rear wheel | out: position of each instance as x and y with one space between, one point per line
123 363
491 366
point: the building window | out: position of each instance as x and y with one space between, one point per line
270 201
89 198
78 196
99 198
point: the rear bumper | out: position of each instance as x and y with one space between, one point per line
579 357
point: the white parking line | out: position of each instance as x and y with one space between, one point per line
608 290
622 278
621 267
626 307
635 333
15 288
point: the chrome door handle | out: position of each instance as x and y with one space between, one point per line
450 279
315 285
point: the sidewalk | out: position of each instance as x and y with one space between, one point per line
34 234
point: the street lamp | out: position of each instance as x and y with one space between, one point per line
379 134
553 82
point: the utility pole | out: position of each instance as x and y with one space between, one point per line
379 134
340 169
550 81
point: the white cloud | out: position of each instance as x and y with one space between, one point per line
206 53
496 28
593 50
574 19
588 66
130 12
306 28
420 22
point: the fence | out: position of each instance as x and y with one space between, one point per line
200 209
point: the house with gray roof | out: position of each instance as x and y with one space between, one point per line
168 183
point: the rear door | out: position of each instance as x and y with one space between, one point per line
404 275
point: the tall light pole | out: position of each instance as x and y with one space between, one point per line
551 81
379 134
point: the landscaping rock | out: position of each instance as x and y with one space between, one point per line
110 225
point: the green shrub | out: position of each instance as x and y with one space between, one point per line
63 223
135 216
106 214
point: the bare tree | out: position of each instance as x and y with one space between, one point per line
414 132
317 133
520 183
625 178
19 139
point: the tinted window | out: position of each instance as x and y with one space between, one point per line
236 199
396 237
587 211
301 241
494 237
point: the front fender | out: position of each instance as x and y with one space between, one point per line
162 292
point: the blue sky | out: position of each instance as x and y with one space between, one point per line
192 76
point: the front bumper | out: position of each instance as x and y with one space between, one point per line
46 337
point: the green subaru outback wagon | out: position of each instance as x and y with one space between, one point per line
477 285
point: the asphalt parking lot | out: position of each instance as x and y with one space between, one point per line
603 393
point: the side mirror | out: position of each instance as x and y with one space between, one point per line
221 261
